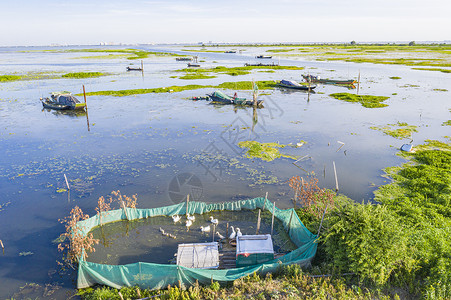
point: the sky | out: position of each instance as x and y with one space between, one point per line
91 22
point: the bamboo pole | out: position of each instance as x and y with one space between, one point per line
358 84
125 211
86 106
258 221
187 202
336 178
1 243
227 230
67 182
214 230
266 198
289 222
272 220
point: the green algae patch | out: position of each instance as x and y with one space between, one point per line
83 75
367 101
238 85
264 151
195 76
395 77
434 69
400 130
446 123
191 73
4 78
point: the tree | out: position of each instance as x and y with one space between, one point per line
353 43
412 43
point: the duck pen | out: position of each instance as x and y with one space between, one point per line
200 262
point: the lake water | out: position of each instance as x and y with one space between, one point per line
150 144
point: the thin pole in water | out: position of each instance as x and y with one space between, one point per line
67 183
86 106
272 221
214 229
258 221
358 84
187 202
1 243
266 199
123 206
336 178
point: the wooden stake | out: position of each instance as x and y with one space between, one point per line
258 222
187 202
266 199
138 292
227 230
336 179
67 182
120 295
1 243
272 221
86 106
214 230
358 84
289 222
123 205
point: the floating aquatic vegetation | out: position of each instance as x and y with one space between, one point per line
197 73
264 151
367 101
446 123
395 77
403 131
433 69
4 205
440 90
238 85
83 75
4 78
26 253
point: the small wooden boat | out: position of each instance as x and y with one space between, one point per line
260 65
200 98
290 84
263 56
134 69
230 51
407 147
190 65
62 101
317 79
219 97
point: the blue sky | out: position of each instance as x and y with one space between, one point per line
44 22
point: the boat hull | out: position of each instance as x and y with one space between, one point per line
329 81
301 87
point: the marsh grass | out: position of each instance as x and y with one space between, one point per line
238 85
236 71
4 78
78 75
367 101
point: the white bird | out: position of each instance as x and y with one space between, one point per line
205 229
214 221
233 234
220 235
176 218
191 218
188 223
238 232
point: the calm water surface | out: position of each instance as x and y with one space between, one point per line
140 144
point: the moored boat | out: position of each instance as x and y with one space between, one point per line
134 69
62 101
195 65
317 79
291 84
183 59
263 56
219 97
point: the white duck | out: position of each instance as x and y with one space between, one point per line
188 223
190 218
205 229
233 234
214 221
238 232
176 218
220 235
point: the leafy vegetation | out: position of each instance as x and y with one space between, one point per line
83 75
403 131
446 123
366 100
395 77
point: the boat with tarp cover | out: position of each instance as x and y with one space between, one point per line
219 97
291 84
62 101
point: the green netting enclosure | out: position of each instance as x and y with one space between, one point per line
157 276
